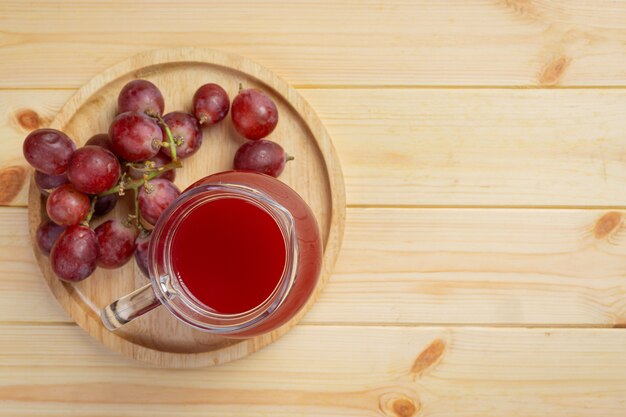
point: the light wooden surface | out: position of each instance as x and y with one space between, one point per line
482 144
159 338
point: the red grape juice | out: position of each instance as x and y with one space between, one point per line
255 251
229 254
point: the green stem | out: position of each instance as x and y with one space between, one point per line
135 184
92 208
170 137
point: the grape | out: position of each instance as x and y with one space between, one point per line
102 140
184 127
104 204
135 136
46 182
159 160
254 114
93 170
67 206
262 156
47 234
155 198
116 243
141 253
48 150
141 96
210 104
75 254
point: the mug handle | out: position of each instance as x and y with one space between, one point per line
129 307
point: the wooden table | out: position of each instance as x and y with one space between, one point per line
483 269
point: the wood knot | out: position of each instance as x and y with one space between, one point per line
398 405
521 7
403 407
607 224
553 72
28 119
11 181
428 358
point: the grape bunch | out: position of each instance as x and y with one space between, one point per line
138 156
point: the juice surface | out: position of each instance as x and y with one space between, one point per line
309 259
230 254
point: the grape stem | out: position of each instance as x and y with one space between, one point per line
137 212
135 184
170 137
92 208
144 168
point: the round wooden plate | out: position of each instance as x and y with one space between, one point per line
315 174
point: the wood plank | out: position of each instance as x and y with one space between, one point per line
329 371
415 266
484 147
478 147
328 42
469 266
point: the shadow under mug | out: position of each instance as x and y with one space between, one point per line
303 249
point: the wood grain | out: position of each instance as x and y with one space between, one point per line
332 43
442 147
455 266
327 371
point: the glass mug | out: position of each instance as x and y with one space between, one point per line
302 255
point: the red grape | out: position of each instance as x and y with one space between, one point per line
46 182
184 127
93 170
135 136
102 140
47 234
141 253
210 104
159 160
116 243
159 195
262 156
48 150
104 204
141 96
67 206
75 254
254 114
